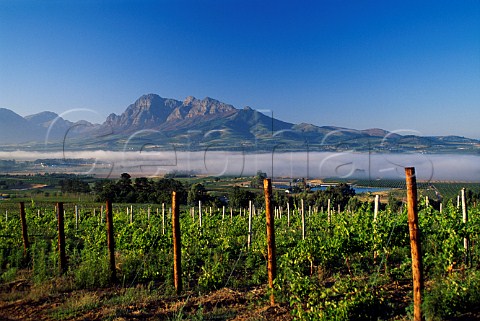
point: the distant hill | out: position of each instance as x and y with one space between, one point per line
153 122
37 128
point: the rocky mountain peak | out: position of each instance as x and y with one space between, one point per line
207 106
148 111
189 100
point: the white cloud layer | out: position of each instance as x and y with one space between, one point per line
294 164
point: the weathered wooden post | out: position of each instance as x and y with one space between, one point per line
303 220
249 237
288 214
271 264
375 214
415 243
76 217
163 218
61 239
177 247
110 241
465 220
328 211
200 213
375 211
23 220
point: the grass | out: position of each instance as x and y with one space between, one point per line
76 304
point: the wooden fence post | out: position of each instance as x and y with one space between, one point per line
415 243
23 220
375 215
303 220
177 245
110 241
375 211
76 217
465 220
163 218
61 239
200 213
272 264
328 211
249 237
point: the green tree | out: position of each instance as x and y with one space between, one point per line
257 181
74 185
106 190
144 189
163 189
126 191
197 192
338 195
240 197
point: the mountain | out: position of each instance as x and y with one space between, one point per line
14 128
154 112
147 112
38 128
156 123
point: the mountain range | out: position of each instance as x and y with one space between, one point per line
156 123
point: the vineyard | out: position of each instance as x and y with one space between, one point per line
330 264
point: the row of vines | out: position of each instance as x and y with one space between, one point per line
348 265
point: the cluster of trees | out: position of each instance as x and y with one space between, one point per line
341 194
142 190
74 185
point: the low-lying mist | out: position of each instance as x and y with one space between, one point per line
295 164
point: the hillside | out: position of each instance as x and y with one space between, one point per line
161 123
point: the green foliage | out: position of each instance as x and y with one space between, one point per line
343 270
197 192
74 185
337 194
143 190
452 295
240 197
92 270
257 181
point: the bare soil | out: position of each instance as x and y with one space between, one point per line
20 300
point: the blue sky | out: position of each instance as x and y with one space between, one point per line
358 64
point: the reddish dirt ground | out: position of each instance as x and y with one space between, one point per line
21 301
